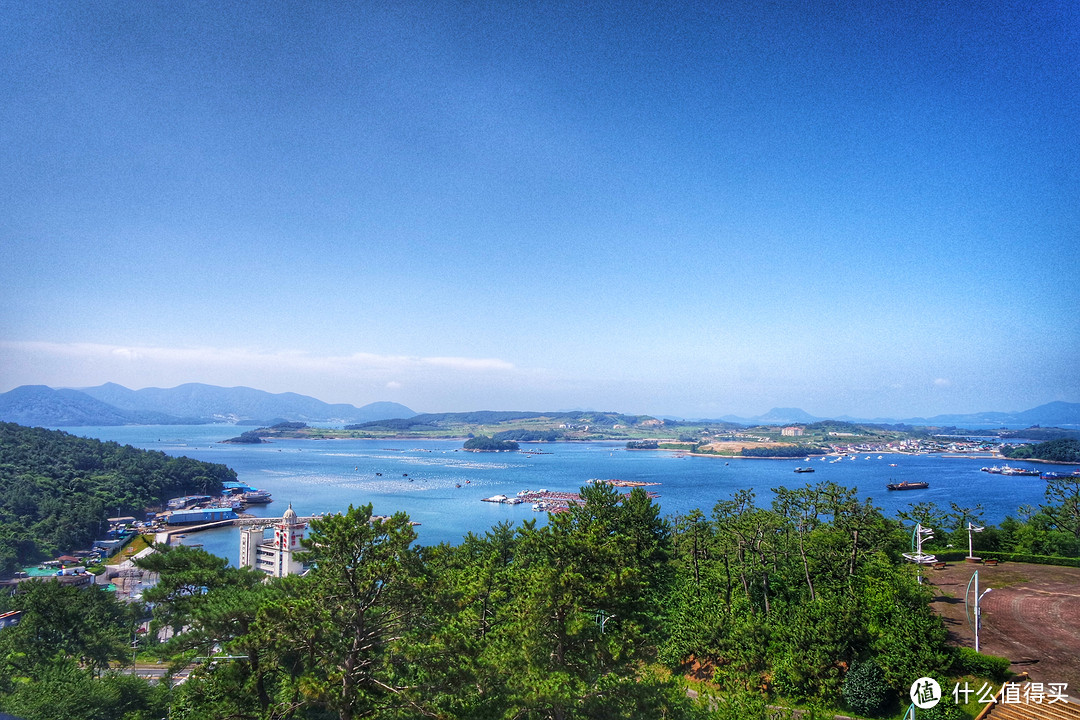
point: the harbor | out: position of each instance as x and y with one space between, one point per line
421 479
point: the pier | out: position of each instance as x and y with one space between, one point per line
164 536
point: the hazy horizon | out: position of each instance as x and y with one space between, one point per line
718 416
683 210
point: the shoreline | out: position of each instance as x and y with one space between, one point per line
621 441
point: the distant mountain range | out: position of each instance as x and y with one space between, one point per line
1058 414
193 403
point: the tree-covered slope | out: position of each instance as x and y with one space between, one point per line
56 489
1064 450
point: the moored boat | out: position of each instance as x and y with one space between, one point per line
1006 470
907 486
257 497
804 469
1059 475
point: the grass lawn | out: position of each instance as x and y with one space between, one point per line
136 545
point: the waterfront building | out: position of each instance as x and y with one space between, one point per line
274 556
199 516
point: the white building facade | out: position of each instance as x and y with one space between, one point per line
277 556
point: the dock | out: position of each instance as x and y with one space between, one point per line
556 501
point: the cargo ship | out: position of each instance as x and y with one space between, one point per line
1006 470
907 486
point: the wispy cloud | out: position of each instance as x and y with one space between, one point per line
425 381
252 358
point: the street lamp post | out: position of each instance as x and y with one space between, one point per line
978 615
916 555
977 610
972 528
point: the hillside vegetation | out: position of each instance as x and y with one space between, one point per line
1063 450
56 489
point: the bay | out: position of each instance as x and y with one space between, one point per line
421 478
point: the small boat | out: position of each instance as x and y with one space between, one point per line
804 469
907 486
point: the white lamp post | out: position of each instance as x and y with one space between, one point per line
978 615
977 610
916 556
972 528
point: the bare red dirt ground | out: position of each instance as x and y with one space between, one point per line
1032 616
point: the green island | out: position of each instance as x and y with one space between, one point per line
483 443
609 611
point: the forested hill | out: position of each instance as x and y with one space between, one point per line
1062 450
56 489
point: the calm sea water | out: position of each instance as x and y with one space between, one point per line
420 477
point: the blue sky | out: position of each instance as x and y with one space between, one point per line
665 208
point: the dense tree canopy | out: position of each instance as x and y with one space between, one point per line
1064 450
484 443
56 489
571 620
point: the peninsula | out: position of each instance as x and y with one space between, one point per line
491 430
